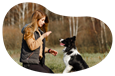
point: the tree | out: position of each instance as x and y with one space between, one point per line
77 26
47 11
70 27
73 25
37 5
73 22
12 18
56 17
17 14
21 13
9 19
33 7
102 41
96 34
103 36
62 18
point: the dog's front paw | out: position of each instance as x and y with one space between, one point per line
64 73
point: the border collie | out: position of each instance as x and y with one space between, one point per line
72 58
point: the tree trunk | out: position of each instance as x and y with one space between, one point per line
37 6
62 20
76 26
8 18
47 12
19 20
73 26
102 35
32 7
27 12
56 18
12 18
105 38
21 13
70 27
93 24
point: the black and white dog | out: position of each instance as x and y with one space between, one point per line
72 58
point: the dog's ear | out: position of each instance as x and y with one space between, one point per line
74 38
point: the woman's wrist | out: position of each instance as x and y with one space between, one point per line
49 50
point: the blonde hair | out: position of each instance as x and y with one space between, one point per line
33 26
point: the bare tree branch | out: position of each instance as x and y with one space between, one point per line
105 34
37 6
32 7
62 19
70 27
47 12
77 26
19 8
8 18
93 24
102 32
73 26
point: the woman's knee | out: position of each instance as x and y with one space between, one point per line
38 68
48 69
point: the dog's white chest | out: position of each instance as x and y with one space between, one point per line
66 59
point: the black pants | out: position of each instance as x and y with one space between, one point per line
38 67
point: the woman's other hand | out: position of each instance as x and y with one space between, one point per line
53 52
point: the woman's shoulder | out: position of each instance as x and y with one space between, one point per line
28 30
22 31
28 33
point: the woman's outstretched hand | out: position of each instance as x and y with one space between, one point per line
46 34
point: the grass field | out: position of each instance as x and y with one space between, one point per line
56 62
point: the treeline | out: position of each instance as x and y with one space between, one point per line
92 34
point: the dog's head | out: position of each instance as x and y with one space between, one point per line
68 42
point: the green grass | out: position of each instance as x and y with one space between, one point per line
56 62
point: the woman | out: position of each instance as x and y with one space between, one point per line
33 44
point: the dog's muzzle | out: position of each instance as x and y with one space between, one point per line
61 40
